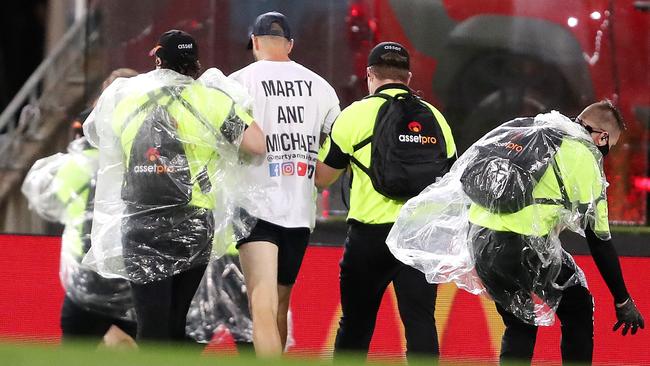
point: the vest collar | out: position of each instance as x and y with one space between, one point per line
393 86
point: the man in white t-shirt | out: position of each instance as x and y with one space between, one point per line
295 106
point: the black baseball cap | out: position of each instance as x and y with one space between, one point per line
176 47
263 27
376 55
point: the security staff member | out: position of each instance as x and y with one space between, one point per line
368 266
94 306
166 247
501 242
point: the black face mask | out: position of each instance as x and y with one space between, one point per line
604 149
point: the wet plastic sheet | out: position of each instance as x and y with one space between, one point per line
221 303
503 240
40 188
59 188
169 184
214 78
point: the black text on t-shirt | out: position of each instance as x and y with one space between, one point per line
287 88
291 141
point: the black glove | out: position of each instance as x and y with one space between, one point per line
628 314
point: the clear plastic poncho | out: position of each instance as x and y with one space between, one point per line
61 188
221 303
503 241
169 184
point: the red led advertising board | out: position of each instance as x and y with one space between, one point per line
469 327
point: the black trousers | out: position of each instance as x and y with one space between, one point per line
509 268
161 306
166 252
78 323
576 314
367 268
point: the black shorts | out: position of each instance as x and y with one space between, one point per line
291 242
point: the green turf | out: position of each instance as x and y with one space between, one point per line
90 355
26 354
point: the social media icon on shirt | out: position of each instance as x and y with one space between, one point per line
287 168
310 171
301 169
274 169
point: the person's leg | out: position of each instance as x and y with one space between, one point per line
499 263
416 300
79 324
365 273
518 341
259 262
127 326
152 303
292 247
184 287
576 314
284 298
142 244
117 338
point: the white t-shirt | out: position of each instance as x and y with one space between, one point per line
292 105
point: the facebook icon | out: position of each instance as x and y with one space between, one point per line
274 169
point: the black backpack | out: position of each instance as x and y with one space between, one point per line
409 150
158 173
507 168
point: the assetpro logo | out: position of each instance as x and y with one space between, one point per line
415 137
414 126
153 155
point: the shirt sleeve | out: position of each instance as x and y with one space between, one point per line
235 123
337 149
332 113
331 154
606 259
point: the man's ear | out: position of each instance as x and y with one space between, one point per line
158 61
256 43
290 46
408 81
604 137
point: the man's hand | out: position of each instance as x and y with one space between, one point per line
628 314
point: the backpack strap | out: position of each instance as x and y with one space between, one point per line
560 182
201 177
379 95
358 147
76 194
368 139
363 168
86 227
153 98
175 95
564 202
